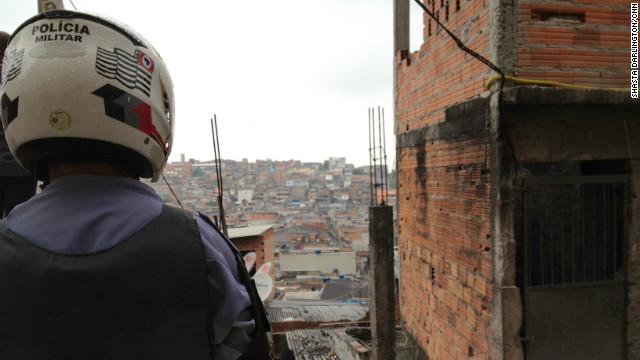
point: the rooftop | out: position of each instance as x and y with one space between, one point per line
235 233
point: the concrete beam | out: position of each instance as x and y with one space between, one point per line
400 26
506 305
381 283
559 124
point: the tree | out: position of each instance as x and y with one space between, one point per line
392 179
196 171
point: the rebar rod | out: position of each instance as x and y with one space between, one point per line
218 163
370 158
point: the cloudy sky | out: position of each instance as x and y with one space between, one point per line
286 79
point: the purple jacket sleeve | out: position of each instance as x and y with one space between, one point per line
233 324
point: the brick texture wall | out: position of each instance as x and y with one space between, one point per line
443 183
446 271
443 190
581 42
440 75
262 245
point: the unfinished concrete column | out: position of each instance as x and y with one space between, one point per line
401 41
633 264
506 305
401 21
400 25
381 285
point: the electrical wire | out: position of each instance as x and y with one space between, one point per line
495 68
464 48
174 194
502 76
546 82
218 162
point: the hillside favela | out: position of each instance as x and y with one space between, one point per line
329 199
307 224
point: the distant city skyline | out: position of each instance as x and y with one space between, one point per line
302 161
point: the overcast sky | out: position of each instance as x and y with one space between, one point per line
287 79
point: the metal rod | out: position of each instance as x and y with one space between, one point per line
223 220
527 248
605 230
386 170
174 194
615 232
375 164
218 163
573 246
370 158
551 248
541 255
380 151
593 233
583 191
562 250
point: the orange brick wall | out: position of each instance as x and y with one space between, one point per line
445 260
439 74
262 216
443 184
590 46
262 245
443 190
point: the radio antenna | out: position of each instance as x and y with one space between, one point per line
218 163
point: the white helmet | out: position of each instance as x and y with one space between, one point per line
74 83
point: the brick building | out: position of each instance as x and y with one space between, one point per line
258 239
519 206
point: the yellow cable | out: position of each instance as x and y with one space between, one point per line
545 82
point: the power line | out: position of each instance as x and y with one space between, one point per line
174 194
464 48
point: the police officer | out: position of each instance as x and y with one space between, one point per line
96 266
16 183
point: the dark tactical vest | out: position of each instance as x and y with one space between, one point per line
145 298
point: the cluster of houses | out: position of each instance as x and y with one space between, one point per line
311 216
307 224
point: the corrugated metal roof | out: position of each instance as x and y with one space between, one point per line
345 289
311 344
317 311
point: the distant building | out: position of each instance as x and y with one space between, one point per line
317 262
245 195
258 239
304 233
297 183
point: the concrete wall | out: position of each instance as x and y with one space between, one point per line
324 263
245 195
633 266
